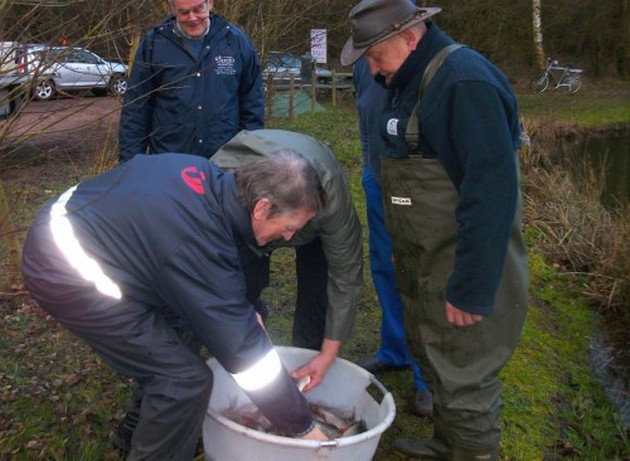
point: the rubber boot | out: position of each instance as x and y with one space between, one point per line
121 439
422 404
476 454
423 449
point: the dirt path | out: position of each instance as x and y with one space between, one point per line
67 124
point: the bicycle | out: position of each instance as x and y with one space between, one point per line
566 78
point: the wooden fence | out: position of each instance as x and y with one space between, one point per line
340 85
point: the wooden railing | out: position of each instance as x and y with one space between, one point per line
340 84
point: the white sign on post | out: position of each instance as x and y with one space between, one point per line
318 45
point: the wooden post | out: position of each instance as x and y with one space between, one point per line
291 96
334 88
269 90
313 93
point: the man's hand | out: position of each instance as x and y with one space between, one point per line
317 367
460 318
315 434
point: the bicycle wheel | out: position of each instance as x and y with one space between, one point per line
539 83
573 83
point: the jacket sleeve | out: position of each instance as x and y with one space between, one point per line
283 405
363 122
342 242
488 190
251 94
208 291
135 117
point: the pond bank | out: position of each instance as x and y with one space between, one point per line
577 183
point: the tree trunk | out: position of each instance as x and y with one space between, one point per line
621 55
9 234
538 36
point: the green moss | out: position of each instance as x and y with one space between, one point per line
551 391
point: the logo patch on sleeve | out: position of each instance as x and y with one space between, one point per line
194 179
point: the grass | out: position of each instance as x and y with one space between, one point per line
58 401
600 104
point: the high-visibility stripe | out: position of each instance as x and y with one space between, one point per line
71 248
261 373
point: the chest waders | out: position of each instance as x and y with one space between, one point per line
461 364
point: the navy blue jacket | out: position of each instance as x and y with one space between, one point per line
174 243
469 120
370 100
178 102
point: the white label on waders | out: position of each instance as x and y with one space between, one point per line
405 201
392 126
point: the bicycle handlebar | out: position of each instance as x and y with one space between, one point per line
554 64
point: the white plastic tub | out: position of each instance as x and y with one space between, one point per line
345 387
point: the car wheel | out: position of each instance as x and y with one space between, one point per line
44 90
118 85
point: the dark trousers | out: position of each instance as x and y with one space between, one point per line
134 339
309 322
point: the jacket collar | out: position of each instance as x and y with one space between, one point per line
218 27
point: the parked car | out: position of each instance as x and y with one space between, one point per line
62 68
280 67
9 57
12 82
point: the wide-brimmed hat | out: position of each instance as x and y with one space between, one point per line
374 21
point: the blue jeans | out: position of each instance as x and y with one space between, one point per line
393 350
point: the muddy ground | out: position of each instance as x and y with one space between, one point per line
65 124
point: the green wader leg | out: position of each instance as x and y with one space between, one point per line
461 364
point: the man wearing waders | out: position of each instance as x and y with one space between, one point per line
451 191
392 353
116 259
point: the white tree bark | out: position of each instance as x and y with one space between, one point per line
538 35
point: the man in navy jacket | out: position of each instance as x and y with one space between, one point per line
114 258
195 83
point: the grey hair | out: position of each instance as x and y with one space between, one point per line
172 5
420 28
287 179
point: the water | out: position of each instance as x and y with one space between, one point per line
611 362
605 157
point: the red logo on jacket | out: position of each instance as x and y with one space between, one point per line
194 178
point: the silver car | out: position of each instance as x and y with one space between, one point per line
64 69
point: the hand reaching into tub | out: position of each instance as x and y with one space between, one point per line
318 366
315 434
